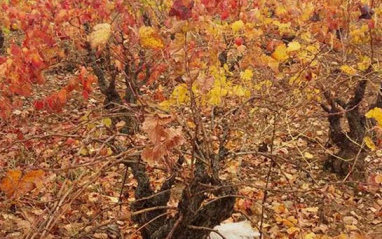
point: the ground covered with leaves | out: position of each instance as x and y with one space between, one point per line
62 180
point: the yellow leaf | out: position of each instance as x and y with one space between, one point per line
109 151
293 46
280 11
311 209
166 104
306 36
369 143
364 64
267 83
100 35
215 100
237 26
283 27
280 53
90 126
271 63
113 199
375 113
180 94
292 230
238 90
295 79
308 155
348 70
84 151
107 122
279 208
289 222
246 75
149 38
310 235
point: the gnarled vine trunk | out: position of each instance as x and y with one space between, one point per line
193 211
351 154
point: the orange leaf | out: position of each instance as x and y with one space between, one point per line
15 184
31 180
62 96
9 183
72 84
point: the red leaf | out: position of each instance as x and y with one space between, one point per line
20 136
224 15
39 105
371 24
70 141
182 9
50 103
85 94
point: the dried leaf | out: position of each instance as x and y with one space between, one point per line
15 184
164 139
100 35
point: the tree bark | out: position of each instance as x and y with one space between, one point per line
1 41
350 156
194 208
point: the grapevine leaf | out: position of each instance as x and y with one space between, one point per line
348 70
280 53
15 184
100 35
149 38
369 143
375 113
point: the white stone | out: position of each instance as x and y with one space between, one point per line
235 230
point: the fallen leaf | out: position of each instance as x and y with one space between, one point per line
14 183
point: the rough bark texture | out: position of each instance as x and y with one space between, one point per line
107 86
193 209
1 42
350 155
